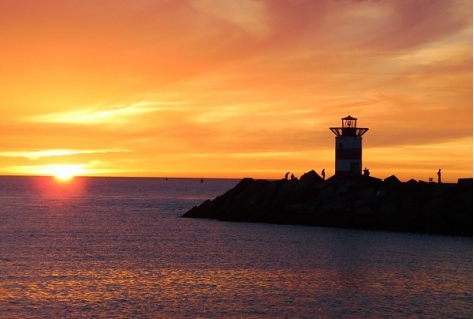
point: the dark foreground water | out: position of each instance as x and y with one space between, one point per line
116 247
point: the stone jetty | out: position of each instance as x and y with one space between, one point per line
361 203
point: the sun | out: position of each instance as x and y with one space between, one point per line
65 172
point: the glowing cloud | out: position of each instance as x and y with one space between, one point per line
34 155
117 114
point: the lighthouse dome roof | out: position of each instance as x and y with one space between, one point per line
349 118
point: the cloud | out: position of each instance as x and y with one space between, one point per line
110 115
249 16
34 155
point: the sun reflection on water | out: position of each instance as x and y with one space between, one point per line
51 186
230 290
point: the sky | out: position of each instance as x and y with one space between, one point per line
234 88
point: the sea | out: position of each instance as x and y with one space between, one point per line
98 247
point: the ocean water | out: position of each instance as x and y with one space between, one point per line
117 248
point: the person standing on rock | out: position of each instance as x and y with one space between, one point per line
439 176
324 174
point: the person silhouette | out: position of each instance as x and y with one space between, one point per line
286 175
324 174
366 172
439 175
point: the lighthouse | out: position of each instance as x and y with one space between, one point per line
348 147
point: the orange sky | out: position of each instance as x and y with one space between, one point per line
234 88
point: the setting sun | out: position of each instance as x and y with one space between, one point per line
63 172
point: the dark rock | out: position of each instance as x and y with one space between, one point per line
361 203
310 177
466 182
392 180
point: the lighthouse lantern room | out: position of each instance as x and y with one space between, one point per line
348 147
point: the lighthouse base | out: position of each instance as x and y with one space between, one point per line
348 169
347 174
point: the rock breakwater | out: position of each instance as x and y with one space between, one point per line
362 203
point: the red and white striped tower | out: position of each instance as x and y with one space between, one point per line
348 147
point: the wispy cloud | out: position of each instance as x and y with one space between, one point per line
34 155
118 114
249 16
